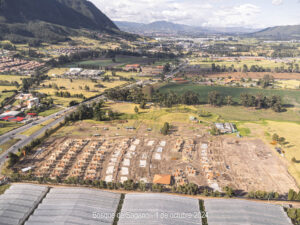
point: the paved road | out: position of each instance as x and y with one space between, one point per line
5 137
26 140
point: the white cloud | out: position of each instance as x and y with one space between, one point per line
192 12
277 2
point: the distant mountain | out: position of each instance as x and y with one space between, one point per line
279 33
23 18
158 27
173 28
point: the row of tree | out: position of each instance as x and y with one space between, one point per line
66 94
139 95
291 68
260 101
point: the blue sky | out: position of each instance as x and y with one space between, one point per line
211 13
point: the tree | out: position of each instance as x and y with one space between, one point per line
228 191
165 128
275 137
143 105
136 109
215 131
281 141
167 68
13 159
245 68
292 195
229 100
214 98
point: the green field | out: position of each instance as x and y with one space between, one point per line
50 112
120 61
5 95
5 146
289 96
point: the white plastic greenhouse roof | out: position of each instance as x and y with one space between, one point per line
18 202
239 212
40 205
78 206
150 209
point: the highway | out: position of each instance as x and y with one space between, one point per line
26 140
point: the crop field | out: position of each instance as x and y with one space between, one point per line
75 87
11 78
289 96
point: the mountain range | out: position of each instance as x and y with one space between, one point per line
279 33
50 20
173 28
163 27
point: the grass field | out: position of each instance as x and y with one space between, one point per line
57 71
8 126
154 117
7 88
289 84
290 131
289 96
36 128
50 112
11 78
3 188
5 95
4 147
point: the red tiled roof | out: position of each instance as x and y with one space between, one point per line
7 117
18 119
162 179
31 114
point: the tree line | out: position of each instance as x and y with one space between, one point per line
96 112
138 95
66 94
291 68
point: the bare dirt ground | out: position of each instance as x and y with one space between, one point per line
255 75
189 154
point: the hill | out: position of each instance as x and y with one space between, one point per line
25 19
279 33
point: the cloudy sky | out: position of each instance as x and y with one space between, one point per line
213 13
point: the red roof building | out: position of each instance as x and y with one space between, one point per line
31 114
